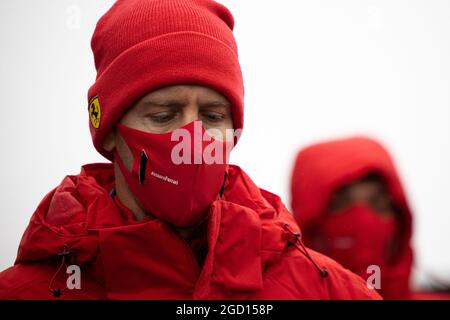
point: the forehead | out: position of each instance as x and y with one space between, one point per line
184 93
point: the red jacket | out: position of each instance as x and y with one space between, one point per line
249 253
322 168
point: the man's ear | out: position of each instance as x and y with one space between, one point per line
109 143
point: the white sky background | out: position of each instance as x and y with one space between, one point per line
313 70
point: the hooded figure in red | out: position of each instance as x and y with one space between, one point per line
350 204
160 221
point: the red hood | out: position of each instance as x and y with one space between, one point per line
322 168
68 213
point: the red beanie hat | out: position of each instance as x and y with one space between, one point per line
143 45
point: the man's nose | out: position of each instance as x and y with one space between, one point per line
190 113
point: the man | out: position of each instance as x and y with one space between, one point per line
349 201
163 221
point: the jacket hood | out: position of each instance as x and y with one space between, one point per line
322 168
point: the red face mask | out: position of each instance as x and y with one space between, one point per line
175 176
358 237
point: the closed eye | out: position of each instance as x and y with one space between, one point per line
162 117
212 117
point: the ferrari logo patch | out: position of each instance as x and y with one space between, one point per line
95 112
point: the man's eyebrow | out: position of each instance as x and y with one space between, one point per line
216 103
165 102
182 102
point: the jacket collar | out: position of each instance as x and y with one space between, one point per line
150 259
